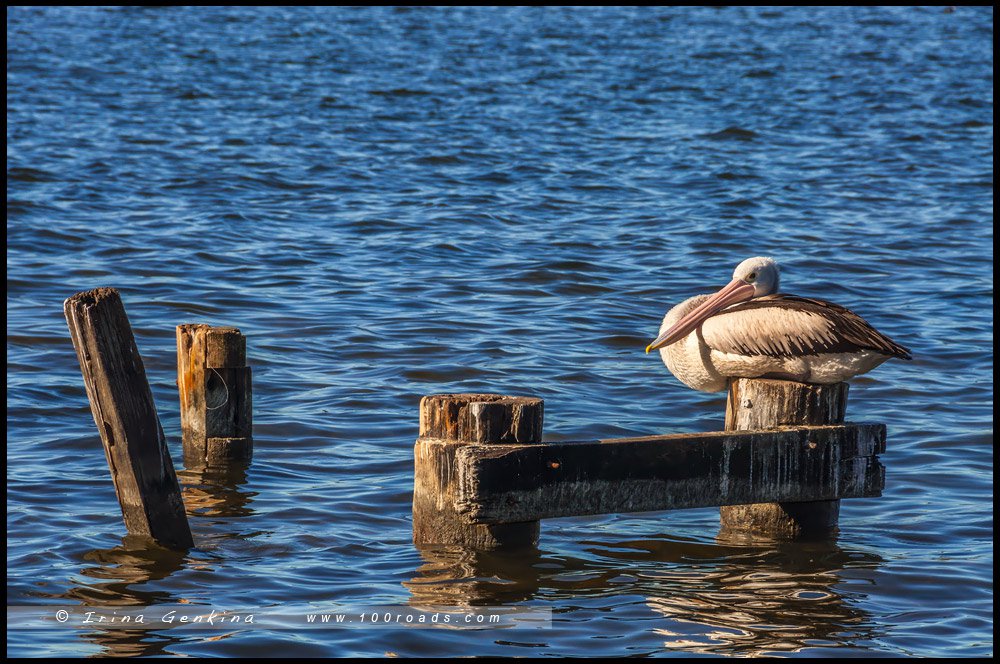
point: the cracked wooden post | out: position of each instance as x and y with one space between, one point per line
123 409
216 395
756 403
449 422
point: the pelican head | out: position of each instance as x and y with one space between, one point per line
761 273
754 277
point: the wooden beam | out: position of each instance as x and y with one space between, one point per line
507 483
216 394
123 409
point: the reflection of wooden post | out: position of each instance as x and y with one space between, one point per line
765 404
123 409
216 395
449 422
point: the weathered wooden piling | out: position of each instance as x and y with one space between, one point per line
448 424
766 404
216 395
123 409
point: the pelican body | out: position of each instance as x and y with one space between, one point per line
749 330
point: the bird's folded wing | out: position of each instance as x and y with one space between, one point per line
790 326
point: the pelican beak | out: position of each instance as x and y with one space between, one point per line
736 291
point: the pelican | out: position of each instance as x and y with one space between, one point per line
749 330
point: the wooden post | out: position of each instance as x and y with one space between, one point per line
449 422
765 404
123 409
215 386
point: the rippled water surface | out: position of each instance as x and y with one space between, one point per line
398 202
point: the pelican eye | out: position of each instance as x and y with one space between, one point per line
752 277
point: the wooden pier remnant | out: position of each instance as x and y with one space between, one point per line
450 424
123 409
765 404
483 487
216 394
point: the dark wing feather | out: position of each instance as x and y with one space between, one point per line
788 325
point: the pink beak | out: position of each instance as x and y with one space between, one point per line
736 291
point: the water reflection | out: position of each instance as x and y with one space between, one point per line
216 492
715 598
120 574
123 576
762 599
126 575
453 576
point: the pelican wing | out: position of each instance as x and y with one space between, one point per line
787 325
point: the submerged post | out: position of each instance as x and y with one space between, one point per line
764 404
123 409
215 386
449 422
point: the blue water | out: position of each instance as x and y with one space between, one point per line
399 202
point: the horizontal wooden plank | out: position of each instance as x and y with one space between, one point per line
510 483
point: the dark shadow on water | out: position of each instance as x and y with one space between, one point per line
721 598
